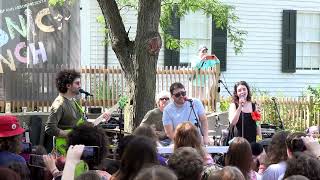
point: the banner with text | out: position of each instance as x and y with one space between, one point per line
34 34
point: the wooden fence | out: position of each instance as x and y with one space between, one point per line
296 113
35 88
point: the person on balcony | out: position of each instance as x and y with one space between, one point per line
203 62
183 109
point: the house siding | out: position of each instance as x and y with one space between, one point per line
92 38
260 61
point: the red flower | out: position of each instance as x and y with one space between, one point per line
256 116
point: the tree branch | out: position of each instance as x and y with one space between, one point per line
121 45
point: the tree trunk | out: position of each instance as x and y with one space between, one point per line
138 59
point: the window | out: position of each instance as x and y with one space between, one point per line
195 27
308 41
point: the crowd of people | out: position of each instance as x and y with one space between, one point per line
80 148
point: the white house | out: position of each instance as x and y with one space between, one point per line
281 54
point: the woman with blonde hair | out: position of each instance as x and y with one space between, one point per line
187 135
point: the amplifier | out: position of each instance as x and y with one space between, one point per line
268 130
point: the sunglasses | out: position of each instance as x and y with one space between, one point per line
183 93
166 98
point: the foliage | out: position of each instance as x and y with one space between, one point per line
268 108
100 19
123 101
105 91
224 104
315 93
256 92
60 2
175 44
127 3
222 14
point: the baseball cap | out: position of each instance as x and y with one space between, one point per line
202 47
9 126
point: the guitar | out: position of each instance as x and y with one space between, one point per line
60 143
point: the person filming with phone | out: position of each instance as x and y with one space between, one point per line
93 150
204 61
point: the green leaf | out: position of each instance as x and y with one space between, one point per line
123 101
222 14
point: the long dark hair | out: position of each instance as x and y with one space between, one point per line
90 135
240 155
303 164
277 149
235 97
141 152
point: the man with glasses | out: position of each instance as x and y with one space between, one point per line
153 117
180 111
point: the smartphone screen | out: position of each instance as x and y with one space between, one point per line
26 147
36 161
90 154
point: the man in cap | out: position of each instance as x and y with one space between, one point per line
10 141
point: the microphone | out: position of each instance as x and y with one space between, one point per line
220 81
242 96
187 99
85 92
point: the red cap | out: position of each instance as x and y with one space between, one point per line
9 126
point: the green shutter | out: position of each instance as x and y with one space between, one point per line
219 45
289 22
172 57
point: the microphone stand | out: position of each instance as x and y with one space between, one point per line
242 122
120 123
225 87
242 116
277 113
85 106
195 115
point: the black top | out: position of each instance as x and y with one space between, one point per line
250 126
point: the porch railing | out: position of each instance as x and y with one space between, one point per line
35 88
